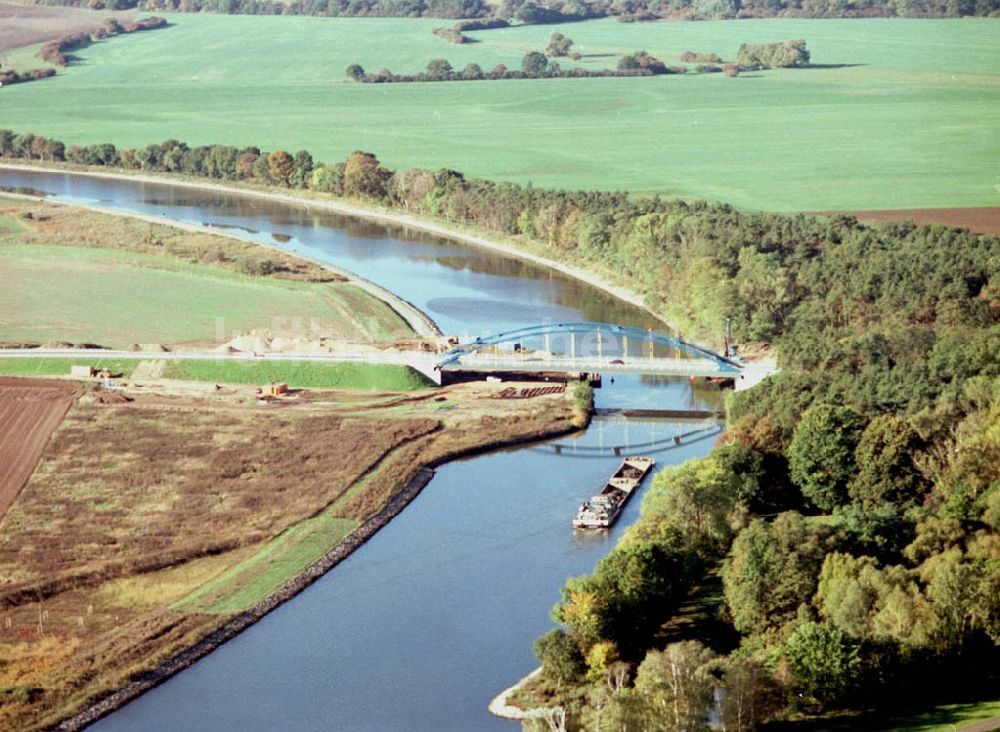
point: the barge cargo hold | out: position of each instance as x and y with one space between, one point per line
601 511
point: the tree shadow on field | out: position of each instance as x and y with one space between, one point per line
961 707
74 59
597 55
831 66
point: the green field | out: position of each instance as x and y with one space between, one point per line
26 58
118 298
910 120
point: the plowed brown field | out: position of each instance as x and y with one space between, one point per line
30 410
24 25
982 220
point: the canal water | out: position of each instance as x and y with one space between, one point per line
419 628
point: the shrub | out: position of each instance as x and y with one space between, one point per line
583 396
559 45
561 659
646 63
703 58
534 63
452 35
772 55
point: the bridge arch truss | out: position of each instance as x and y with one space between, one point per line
591 333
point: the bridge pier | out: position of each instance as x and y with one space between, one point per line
753 374
429 369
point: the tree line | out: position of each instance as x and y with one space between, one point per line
57 52
327 8
556 11
10 76
539 65
534 65
456 33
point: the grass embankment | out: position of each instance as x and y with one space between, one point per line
364 376
150 523
119 367
70 274
903 119
297 374
264 572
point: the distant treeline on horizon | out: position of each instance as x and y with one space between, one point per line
556 11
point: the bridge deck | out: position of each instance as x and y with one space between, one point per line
656 366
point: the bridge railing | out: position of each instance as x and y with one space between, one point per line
508 362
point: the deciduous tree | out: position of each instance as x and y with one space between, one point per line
886 470
280 167
439 68
559 45
561 659
676 687
364 176
534 63
821 454
771 570
824 662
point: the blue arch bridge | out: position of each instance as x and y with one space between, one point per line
588 347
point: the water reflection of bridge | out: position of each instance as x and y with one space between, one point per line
651 437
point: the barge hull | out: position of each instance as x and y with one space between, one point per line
601 511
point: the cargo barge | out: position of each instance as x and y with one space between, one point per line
601 511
